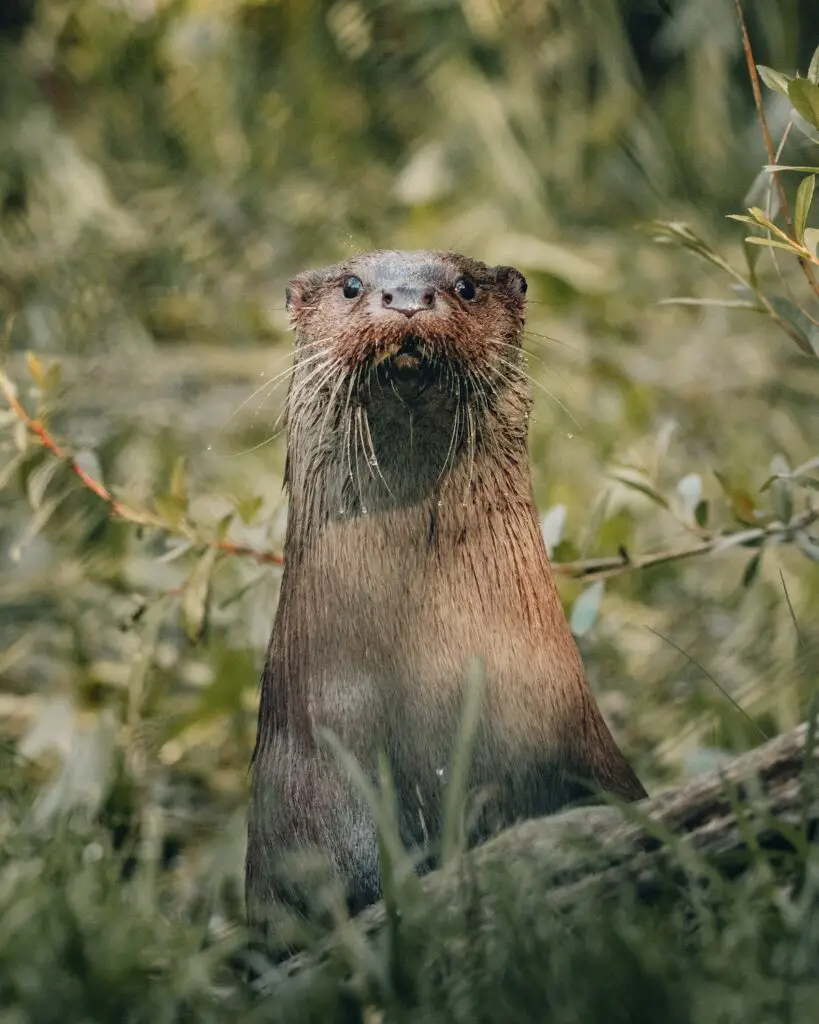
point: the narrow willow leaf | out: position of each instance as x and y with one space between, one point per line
804 197
35 367
762 218
719 303
804 127
813 68
752 254
773 243
637 482
9 470
804 96
752 570
169 510
782 500
35 525
248 507
773 79
179 482
807 333
774 168
52 377
586 608
741 502
195 595
701 513
38 480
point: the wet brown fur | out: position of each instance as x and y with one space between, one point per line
412 545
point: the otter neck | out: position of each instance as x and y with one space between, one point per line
401 450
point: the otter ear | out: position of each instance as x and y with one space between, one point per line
512 280
300 291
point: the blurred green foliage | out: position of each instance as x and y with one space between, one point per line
165 166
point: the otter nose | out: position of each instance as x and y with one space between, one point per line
408 299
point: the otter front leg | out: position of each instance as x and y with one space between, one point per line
301 806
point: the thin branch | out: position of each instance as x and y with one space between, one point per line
617 565
138 517
766 135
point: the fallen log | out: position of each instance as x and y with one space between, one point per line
768 797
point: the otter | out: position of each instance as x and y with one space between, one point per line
412 545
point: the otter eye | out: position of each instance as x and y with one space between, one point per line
352 287
464 289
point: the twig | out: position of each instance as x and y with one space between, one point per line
601 568
584 569
139 517
766 135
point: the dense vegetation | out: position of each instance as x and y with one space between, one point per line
165 165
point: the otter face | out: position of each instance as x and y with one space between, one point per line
407 363
410 315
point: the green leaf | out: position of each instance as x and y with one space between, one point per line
773 243
804 197
804 96
35 367
741 502
586 608
752 569
195 595
248 507
781 495
804 127
52 377
807 332
718 303
38 480
10 469
637 482
179 482
742 218
701 512
812 241
774 168
813 68
773 79
762 218
752 254
170 510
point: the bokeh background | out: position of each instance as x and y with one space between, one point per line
167 165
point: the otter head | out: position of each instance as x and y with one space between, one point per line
407 364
